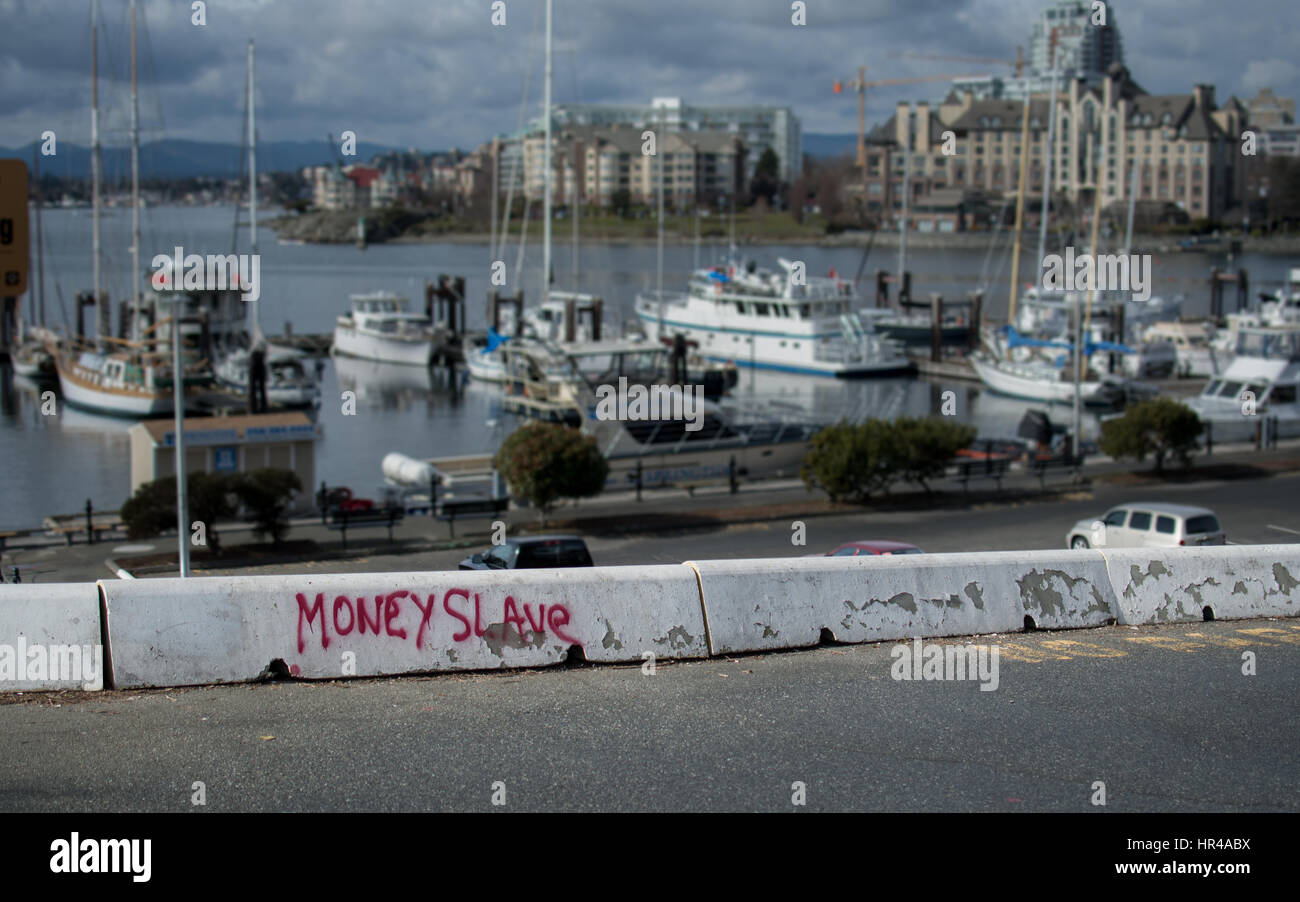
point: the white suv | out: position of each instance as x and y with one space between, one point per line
1148 524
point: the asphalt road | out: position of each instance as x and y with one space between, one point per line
1253 511
1164 717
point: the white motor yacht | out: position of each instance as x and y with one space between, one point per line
785 321
380 327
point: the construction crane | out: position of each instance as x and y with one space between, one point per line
1018 62
860 84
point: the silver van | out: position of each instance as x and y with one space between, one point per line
1148 524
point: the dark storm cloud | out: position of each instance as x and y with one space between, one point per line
438 74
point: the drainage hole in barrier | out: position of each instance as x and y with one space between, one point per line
1207 613
1030 626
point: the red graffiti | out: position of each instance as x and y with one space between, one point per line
348 615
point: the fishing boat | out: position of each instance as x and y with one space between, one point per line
786 321
380 327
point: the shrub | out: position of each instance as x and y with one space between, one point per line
544 462
854 461
152 509
266 495
1163 428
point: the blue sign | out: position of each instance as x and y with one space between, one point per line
225 459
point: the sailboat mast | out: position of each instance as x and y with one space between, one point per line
1049 157
103 313
252 186
1020 208
40 245
546 158
135 190
907 197
660 147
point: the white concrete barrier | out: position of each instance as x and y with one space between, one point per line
171 632
50 637
1167 585
752 605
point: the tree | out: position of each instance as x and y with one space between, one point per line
849 462
151 511
211 497
544 462
923 447
853 462
620 200
766 182
1163 427
266 495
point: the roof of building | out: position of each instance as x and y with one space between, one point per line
885 132
1176 111
365 176
158 429
1001 115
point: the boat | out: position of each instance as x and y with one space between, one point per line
754 317
1037 380
119 377
288 382
33 361
128 382
1266 364
1193 347
379 327
1043 313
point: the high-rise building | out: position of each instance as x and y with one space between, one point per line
1082 50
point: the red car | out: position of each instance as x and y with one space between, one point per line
855 549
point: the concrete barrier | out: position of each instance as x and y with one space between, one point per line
1168 585
171 632
50 637
787 602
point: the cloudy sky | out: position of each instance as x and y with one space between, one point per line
437 73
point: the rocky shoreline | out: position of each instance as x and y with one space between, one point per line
412 228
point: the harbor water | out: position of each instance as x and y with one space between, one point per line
54 463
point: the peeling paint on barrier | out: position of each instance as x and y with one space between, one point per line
1180 584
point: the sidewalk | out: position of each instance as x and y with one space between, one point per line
660 510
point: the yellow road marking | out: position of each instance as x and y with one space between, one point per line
1028 655
1271 633
1227 641
1165 642
1085 649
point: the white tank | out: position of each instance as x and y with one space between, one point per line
402 470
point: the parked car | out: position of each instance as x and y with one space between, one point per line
873 546
1148 524
531 553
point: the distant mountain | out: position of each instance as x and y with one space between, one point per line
182 159
829 145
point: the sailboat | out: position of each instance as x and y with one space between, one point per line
288 382
118 377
